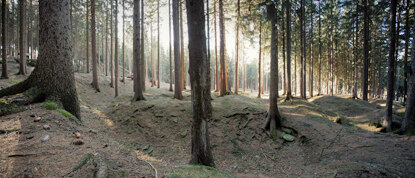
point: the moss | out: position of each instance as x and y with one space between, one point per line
50 105
66 114
3 102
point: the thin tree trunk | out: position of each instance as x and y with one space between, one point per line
158 43
259 59
216 49
200 84
116 78
138 62
304 51
223 69
153 79
177 60
366 50
331 50
356 51
3 40
288 30
391 66
405 61
22 23
112 45
237 48
94 49
302 91
106 41
143 66
183 72
311 53
87 36
123 41
170 68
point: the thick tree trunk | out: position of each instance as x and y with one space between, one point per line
22 41
200 84
366 49
170 64
391 67
288 30
273 119
94 49
223 68
407 34
138 62
176 43
4 40
408 123
54 64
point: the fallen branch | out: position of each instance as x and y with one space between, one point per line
237 114
85 160
246 123
155 170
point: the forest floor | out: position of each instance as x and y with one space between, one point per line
335 136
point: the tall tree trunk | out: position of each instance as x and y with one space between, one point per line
183 72
391 66
158 43
170 68
259 60
200 84
273 118
112 44
304 51
177 60
319 47
288 30
223 69
87 36
283 32
366 49
216 48
123 41
408 123
302 56
208 32
143 66
405 61
94 49
22 41
3 40
29 28
138 62
116 48
237 48
55 63
153 80
331 50
311 52
356 51
106 40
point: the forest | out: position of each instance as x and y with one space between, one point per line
207 88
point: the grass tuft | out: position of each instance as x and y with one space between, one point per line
50 105
66 114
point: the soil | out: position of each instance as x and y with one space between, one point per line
335 136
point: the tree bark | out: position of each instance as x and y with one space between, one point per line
259 60
176 44
200 84
143 66
237 48
22 41
273 119
366 50
112 45
356 51
94 49
408 123
391 66
223 68
288 30
116 48
87 36
311 52
123 41
183 72
407 34
106 41
55 62
158 43
170 69
319 47
302 56
216 49
4 74
138 62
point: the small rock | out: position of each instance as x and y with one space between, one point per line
287 137
29 137
46 127
37 119
45 138
93 131
78 142
77 135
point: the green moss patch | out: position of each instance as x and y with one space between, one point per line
50 105
66 114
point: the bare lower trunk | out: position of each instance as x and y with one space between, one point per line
158 43
116 49
143 60
216 49
94 48
176 45
200 84
391 78
3 40
288 29
170 64
22 41
259 60
223 68
138 92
